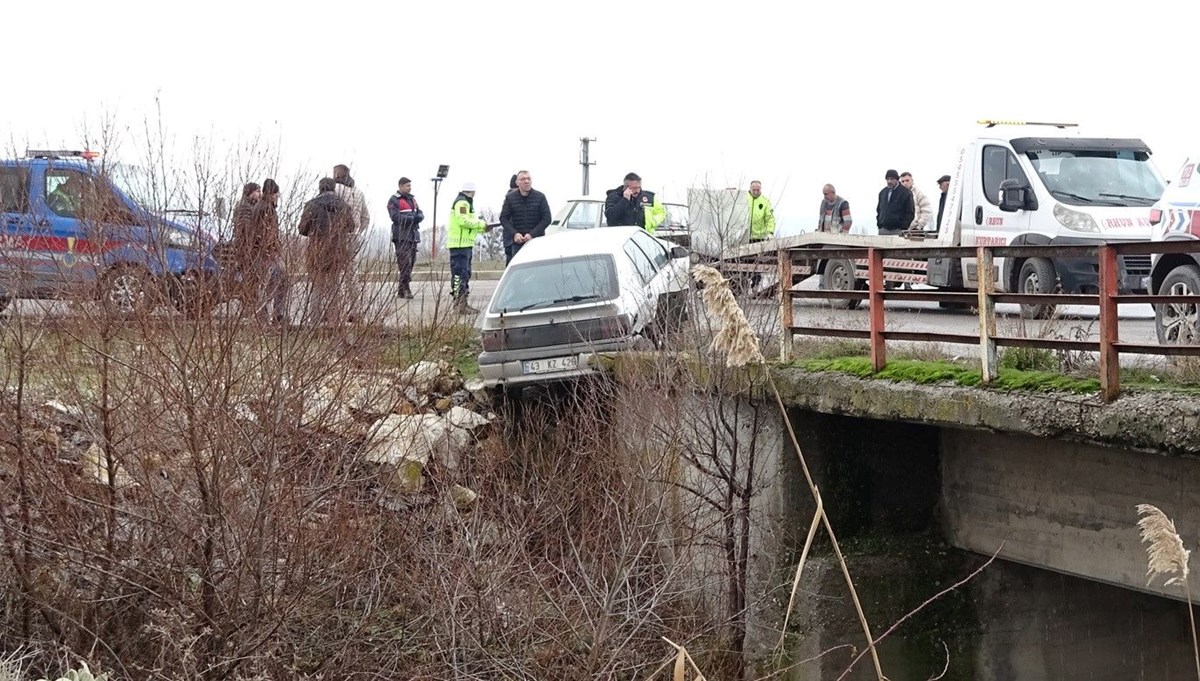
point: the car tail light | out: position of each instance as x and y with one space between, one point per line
493 340
1155 216
615 327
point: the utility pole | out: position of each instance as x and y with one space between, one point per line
585 160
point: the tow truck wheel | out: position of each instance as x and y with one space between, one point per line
839 276
1179 323
1037 276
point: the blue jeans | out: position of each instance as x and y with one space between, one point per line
460 272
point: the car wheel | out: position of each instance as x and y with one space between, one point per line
1179 323
4 302
1037 276
127 291
193 296
839 276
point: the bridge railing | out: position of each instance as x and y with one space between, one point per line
1109 297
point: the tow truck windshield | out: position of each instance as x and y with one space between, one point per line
1114 177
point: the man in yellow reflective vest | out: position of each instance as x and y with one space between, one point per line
629 205
762 215
460 239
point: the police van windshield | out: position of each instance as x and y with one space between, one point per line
1113 177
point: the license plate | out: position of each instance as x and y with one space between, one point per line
552 364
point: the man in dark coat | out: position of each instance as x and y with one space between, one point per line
525 215
896 210
406 233
328 223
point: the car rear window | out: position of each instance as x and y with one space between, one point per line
562 281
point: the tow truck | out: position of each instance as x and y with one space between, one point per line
1014 184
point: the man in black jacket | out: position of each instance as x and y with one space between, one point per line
895 211
525 215
406 233
328 222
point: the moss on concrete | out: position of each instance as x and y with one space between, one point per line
927 373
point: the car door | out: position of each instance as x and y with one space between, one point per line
16 229
62 233
651 283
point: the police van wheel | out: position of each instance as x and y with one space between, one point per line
193 296
1037 276
126 291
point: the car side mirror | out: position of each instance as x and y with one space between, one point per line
679 252
1015 196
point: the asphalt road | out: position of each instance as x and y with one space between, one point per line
433 302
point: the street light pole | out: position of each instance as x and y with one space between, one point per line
442 172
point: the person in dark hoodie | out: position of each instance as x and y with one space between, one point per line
328 223
630 205
406 234
524 216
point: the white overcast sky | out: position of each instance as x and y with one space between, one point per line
718 93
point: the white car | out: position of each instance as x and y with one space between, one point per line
1176 217
587 212
568 296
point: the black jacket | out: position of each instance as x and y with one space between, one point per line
622 212
325 215
895 215
524 214
406 218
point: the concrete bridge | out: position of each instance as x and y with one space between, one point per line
926 482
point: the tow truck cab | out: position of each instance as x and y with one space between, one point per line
1019 189
67 230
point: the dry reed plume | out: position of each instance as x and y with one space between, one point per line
1167 557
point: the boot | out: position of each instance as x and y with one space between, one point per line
461 306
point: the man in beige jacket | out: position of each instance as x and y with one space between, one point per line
923 209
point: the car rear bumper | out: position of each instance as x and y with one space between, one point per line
506 368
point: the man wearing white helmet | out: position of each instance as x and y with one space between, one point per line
464 228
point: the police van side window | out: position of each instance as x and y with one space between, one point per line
72 194
999 164
14 190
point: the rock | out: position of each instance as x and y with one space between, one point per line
476 387
464 498
95 468
244 412
419 437
406 408
68 412
324 411
443 405
465 419
404 478
460 397
422 376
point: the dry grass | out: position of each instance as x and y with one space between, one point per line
1167 557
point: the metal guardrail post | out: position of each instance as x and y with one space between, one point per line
875 289
986 276
1110 363
786 337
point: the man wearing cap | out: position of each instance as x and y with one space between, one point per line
944 185
464 229
406 234
895 210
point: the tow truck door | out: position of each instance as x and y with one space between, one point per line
984 224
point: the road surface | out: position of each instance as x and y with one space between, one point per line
433 301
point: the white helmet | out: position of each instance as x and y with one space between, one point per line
468 186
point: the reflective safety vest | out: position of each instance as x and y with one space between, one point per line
464 226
